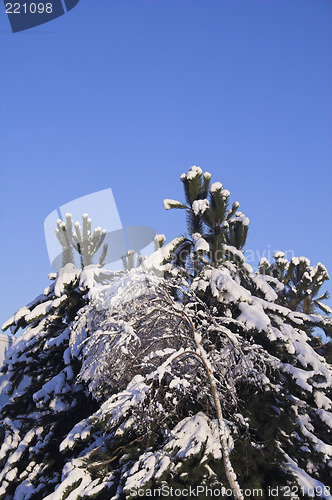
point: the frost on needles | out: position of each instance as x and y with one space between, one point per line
183 361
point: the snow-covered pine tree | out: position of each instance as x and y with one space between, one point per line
300 287
208 217
80 239
160 355
203 371
46 398
302 282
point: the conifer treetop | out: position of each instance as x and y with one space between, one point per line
81 239
208 213
301 282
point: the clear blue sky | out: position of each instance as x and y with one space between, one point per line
129 94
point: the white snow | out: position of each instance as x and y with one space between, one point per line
156 261
57 341
65 276
324 307
278 255
188 438
71 476
262 285
297 343
300 376
225 288
79 432
88 277
193 172
178 383
239 217
119 404
200 206
304 260
16 317
229 249
253 316
189 435
325 416
322 401
200 244
308 483
45 307
168 204
54 386
216 186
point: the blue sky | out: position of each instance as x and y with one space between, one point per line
130 94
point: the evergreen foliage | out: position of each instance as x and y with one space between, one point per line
139 378
301 281
80 239
208 216
133 259
46 398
